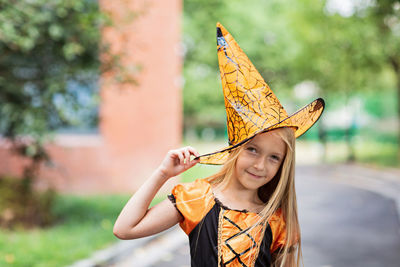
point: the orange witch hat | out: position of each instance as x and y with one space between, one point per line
251 106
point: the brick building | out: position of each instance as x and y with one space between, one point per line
138 124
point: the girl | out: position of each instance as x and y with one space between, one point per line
246 214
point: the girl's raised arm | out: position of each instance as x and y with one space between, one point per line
136 219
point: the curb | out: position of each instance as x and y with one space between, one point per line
116 252
156 250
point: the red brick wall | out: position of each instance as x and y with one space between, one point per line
138 124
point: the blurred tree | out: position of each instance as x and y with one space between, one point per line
200 64
346 52
385 15
352 50
259 30
49 68
49 62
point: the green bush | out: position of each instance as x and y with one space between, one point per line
21 206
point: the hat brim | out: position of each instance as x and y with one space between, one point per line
302 120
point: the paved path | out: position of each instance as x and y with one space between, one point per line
348 217
346 225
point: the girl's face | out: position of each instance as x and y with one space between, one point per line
260 160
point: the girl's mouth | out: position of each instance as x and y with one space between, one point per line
255 176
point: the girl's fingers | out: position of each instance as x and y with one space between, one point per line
179 154
194 162
193 151
184 155
187 156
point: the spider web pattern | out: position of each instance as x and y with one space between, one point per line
307 116
250 104
302 119
239 241
216 158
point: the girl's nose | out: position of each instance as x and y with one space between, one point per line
259 164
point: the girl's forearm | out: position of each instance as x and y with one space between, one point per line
137 206
135 219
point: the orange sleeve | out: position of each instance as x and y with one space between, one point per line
193 200
278 228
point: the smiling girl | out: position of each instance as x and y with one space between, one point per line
246 214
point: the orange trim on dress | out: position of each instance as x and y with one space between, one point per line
239 237
194 200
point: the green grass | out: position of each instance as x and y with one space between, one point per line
85 225
373 153
379 154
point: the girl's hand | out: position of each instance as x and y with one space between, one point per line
178 161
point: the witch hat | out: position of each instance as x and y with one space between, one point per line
251 106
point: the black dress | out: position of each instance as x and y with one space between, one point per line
220 236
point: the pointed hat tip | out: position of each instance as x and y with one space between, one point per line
221 31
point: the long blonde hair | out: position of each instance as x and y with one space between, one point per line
278 193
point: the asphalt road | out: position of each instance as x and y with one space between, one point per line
342 224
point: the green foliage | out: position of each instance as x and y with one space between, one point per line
343 54
261 35
48 65
86 221
290 42
20 206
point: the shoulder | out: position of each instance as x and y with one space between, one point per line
191 190
193 200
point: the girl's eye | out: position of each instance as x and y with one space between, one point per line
275 158
252 149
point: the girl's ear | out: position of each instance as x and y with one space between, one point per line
266 191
